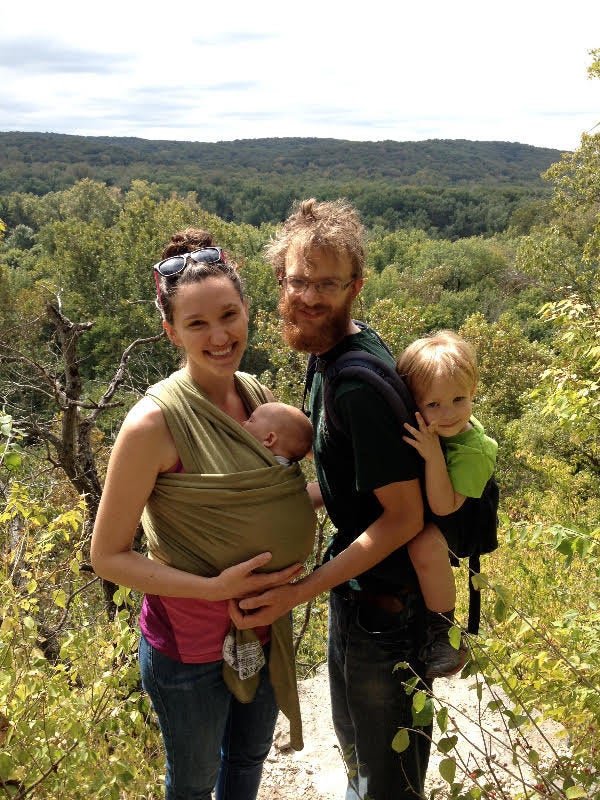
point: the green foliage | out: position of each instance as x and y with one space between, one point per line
454 188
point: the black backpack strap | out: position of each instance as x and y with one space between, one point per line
311 368
474 597
373 371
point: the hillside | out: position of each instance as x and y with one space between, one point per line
439 162
429 184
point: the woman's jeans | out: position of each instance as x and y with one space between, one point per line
369 703
211 740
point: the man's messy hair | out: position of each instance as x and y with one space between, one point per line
333 226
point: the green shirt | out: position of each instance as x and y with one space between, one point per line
470 459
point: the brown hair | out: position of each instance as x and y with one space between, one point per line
442 353
186 241
333 226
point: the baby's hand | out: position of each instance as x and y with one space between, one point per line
424 439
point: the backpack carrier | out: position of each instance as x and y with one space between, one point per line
366 367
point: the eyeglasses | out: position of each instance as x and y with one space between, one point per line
327 286
176 264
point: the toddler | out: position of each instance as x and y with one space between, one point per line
441 372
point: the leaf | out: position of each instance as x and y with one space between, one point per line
575 791
60 598
447 744
419 701
401 740
454 636
425 716
533 757
442 719
447 769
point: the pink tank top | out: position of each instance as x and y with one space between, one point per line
185 629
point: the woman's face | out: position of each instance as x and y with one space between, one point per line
210 323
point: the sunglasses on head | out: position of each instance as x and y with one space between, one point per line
176 264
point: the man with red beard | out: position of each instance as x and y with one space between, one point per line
371 489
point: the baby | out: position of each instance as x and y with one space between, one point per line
441 372
284 429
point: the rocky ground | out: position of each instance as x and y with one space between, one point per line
484 741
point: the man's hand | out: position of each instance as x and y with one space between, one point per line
241 580
265 608
425 439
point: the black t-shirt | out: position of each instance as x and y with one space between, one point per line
373 455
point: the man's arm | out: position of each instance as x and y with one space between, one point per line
400 521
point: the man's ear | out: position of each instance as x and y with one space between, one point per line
171 333
357 286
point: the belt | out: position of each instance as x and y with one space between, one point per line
386 601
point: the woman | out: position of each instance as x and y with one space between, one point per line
178 463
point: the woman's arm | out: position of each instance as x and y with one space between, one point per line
143 449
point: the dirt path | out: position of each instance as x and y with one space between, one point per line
317 772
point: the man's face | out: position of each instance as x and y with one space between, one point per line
314 322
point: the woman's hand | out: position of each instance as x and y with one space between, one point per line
241 580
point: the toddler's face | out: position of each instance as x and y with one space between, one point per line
448 404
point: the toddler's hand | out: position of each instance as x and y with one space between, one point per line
425 439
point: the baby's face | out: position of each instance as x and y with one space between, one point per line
257 424
448 404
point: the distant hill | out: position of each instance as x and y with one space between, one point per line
256 180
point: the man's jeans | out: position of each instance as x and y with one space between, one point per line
368 701
210 738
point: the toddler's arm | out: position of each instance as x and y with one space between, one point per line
441 496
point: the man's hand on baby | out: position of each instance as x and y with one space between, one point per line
262 609
424 439
241 580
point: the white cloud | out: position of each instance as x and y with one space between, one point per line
514 71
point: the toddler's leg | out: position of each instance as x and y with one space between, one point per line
429 555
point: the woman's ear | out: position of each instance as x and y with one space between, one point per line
171 333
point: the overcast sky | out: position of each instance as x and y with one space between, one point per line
367 70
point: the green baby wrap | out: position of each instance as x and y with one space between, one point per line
233 501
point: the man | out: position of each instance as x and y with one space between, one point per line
371 490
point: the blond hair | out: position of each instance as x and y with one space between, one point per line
331 226
441 354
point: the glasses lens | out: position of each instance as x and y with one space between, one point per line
170 266
330 286
295 284
208 255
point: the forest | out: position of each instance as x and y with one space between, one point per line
80 340
453 189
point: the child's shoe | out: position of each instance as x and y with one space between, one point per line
440 658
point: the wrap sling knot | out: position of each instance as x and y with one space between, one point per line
233 501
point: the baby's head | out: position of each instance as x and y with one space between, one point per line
442 374
284 429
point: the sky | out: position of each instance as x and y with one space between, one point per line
369 70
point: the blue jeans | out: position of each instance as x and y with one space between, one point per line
368 700
211 740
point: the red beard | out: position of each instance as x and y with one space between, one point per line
322 335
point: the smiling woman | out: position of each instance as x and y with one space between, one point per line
179 463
